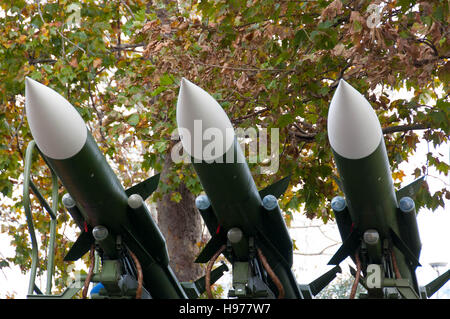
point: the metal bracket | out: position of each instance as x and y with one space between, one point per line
27 184
248 281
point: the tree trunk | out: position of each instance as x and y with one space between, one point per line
180 224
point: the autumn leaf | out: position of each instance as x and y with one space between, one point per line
398 175
332 10
271 63
240 83
74 62
97 62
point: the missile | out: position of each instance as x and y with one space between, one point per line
248 222
375 221
114 219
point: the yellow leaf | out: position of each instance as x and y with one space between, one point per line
22 38
398 175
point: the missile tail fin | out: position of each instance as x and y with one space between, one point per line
411 189
194 289
213 245
400 244
80 247
318 284
276 189
145 188
348 247
437 283
216 274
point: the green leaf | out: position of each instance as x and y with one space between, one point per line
133 119
166 79
176 197
161 146
285 119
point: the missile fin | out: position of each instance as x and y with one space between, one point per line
268 244
321 282
80 247
276 189
145 188
213 245
136 244
348 247
216 274
437 283
400 244
411 189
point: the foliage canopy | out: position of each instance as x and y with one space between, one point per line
269 63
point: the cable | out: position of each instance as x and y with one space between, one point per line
90 272
139 274
357 276
271 273
394 264
208 271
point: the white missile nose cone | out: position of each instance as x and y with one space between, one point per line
354 130
56 126
205 129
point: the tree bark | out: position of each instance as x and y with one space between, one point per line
180 224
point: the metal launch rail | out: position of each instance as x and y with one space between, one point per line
33 291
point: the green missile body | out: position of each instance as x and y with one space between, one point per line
114 219
235 212
370 220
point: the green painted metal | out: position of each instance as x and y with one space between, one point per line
237 203
344 222
210 219
102 200
369 191
371 203
233 207
277 233
403 286
276 189
411 189
94 186
68 293
409 231
195 289
27 184
241 277
437 283
216 274
318 284
51 245
149 233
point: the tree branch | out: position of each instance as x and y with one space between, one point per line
303 137
318 253
244 69
405 128
244 117
125 47
37 61
99 113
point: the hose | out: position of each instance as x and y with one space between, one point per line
87 281
208 271
139 274
394 264
271 274
357 276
